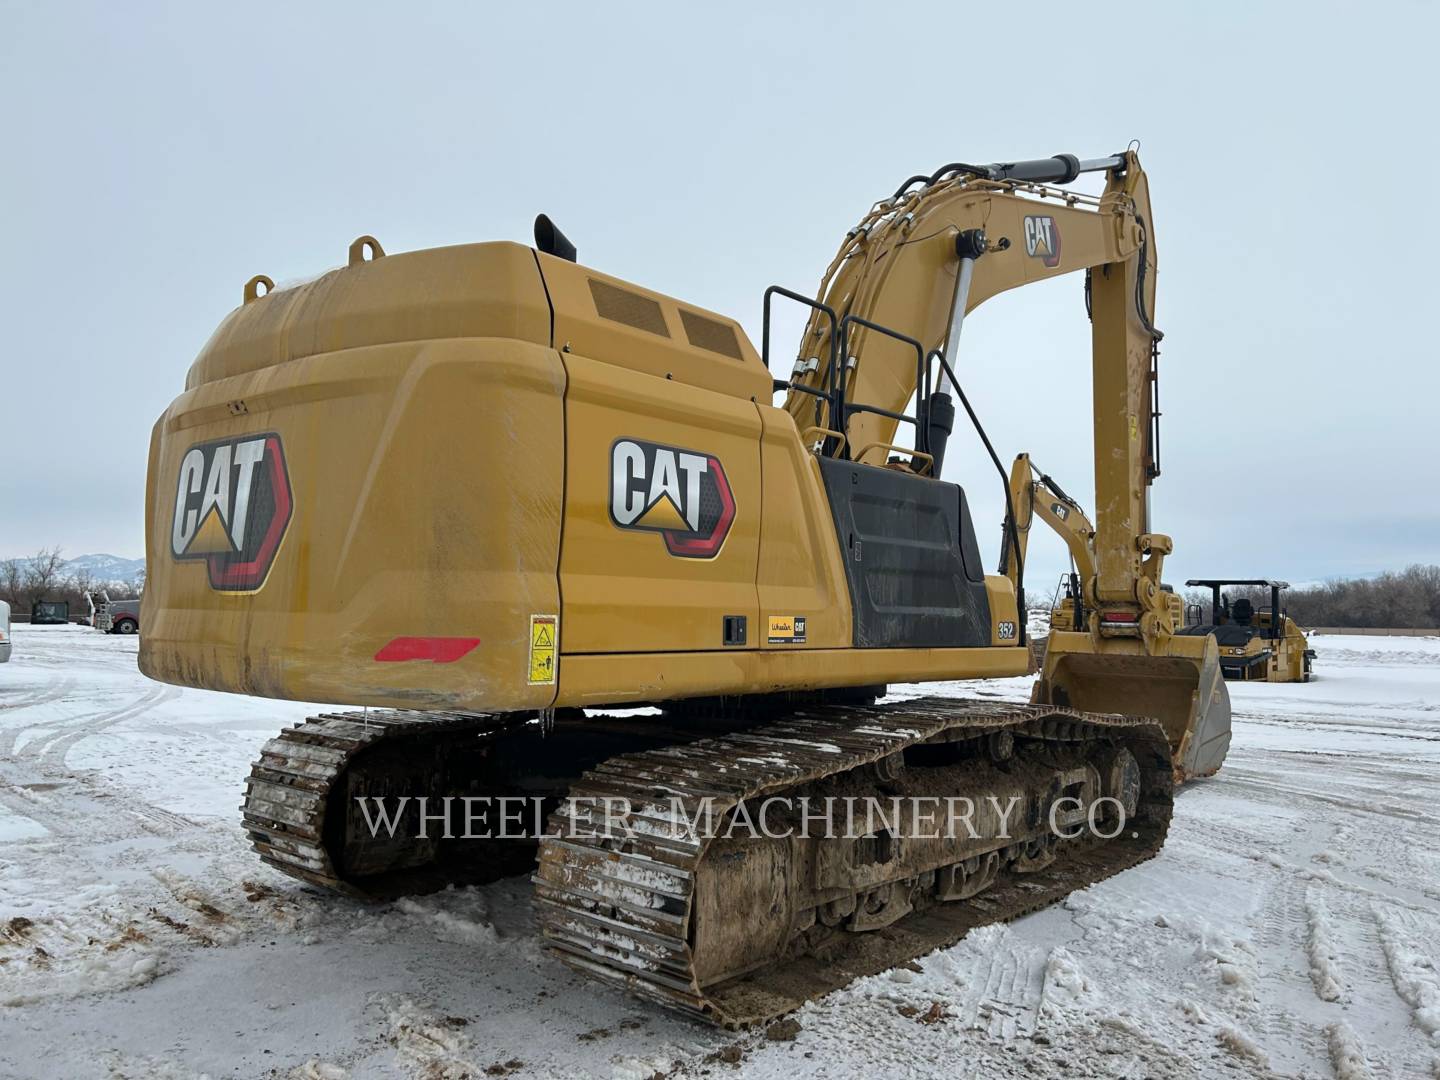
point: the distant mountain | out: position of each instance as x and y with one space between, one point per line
105 567
101 568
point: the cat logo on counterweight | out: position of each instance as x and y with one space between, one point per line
681 494
232 506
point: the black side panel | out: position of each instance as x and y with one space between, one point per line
1227 635
910 558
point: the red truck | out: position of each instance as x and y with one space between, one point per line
114 616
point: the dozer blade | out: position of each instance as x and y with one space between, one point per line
1182 689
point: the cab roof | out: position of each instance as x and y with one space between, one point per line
1210 583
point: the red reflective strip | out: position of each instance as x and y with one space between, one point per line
1119 616
441 650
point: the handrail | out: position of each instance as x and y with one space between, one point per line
807 436
1011 530
929 459
921 419
814 305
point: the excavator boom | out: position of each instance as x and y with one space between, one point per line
901 286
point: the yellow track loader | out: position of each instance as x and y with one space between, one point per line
499 499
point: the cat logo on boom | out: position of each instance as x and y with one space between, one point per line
681 494
1042 239
232 505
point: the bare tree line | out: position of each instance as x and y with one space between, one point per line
1403 599
1400 599
43 577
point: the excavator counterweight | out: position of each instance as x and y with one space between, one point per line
499 499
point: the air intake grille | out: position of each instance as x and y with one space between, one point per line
710 334
629 308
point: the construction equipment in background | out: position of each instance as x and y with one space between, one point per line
113 616
1262 645
360 497
5 643
1101 651
49 612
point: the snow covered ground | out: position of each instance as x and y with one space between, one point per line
1291 926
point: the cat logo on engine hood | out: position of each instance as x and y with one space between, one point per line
681 494
232 506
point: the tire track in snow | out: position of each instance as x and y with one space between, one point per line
50 752
27 778
1285 794
51 693
52 730
53 754
1320 945
1347 1052
1269 988
1413 972
1004 988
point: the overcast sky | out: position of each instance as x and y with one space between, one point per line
157 156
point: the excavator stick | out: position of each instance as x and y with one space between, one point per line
1181 688
1124 661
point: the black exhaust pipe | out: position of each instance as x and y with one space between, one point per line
552 241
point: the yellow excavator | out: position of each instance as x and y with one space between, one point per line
500 499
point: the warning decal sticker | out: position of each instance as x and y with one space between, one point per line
787 630
544 642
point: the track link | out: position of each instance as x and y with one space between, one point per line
623 905
643 911
287 811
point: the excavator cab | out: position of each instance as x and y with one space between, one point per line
1255 645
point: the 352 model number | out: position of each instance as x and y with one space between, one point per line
1006 630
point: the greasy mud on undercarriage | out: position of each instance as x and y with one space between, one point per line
671 919
302 817
660 918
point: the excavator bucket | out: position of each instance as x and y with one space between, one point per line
1181 688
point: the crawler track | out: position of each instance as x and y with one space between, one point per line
291 811
629 910
731 930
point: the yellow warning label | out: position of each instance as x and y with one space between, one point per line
544 635
787 630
